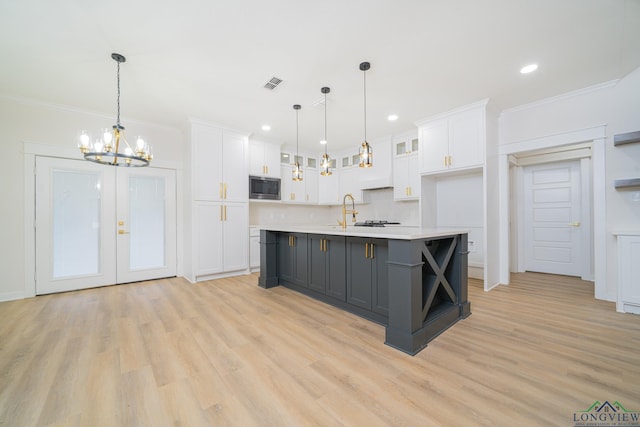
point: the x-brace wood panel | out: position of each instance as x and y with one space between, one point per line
438 268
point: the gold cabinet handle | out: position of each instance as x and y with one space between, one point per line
266 169
372 251
122 232
574 224
225 212
221 217
221 190
366 250
445 160
410 192
225 190
321 245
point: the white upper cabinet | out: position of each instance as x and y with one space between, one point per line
406 173
264 159
219 164
329 188
292 191
453 141
349 183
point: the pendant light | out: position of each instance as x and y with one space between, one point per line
297 169
325 164
106 149
366 152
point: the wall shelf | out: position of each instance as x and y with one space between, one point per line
626 138
627 184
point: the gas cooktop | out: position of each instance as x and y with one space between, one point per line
375 223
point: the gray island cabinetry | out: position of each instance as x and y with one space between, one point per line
411 280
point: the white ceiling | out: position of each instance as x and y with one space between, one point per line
209 59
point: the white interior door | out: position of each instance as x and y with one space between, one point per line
98 225
75 225
146 220
552 218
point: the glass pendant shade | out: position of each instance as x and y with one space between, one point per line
366 155
325 165
366 152
296 173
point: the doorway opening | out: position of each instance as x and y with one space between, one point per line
552 211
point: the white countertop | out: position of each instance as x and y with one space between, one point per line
387 232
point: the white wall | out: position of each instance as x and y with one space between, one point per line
616 105
23 121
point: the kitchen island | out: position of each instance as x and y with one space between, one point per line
412 280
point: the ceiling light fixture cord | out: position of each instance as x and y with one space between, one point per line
325 119
118 102
365 104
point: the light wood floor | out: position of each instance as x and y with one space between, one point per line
227 352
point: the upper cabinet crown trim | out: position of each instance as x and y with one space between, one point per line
475 105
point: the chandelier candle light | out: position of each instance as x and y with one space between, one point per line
325 164
366 152
297 169
106 150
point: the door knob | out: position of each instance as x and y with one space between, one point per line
574 224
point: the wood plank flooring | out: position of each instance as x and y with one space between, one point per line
226 352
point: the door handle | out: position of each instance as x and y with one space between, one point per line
574 224
122 232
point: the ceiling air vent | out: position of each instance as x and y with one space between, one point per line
272 83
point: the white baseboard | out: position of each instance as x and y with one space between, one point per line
12 296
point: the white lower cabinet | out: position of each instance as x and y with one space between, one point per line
254 248
221 237
628 273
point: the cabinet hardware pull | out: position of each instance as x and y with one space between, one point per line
221 190
266 169
410 191
366 250
445 160
221 213
325 245
225 190
372 251
225 212
321 247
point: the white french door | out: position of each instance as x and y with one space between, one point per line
552 218
98 225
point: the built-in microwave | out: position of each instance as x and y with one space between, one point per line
264 188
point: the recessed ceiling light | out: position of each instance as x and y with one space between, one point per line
266 127
529 68
323 142
392 117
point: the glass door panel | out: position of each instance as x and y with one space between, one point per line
147 222
75 225
146 218
76 214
